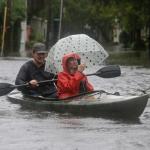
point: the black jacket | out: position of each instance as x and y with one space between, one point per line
30 71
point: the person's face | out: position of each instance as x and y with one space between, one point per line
72 66
39 58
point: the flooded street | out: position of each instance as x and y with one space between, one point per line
31 130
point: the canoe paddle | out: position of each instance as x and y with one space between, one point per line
105 72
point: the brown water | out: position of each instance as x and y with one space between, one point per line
31 130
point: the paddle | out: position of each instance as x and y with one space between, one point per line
105 72
108 72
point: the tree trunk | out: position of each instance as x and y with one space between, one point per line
9 30
149 42
49 35
17 36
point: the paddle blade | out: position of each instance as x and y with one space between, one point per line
6 88
109 71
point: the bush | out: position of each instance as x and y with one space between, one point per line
124 38
139 45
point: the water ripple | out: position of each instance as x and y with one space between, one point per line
24 129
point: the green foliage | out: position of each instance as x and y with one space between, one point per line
124 38
18 10
138 45
133 14
76 12
100 15
36 37
2 5
56 8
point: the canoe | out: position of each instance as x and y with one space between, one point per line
92 104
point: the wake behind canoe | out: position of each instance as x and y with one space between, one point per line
95 104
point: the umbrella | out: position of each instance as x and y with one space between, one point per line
90 51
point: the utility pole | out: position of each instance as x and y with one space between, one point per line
49 24
4 29
149 41
7 28
60 19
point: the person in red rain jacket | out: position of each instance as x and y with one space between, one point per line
72 81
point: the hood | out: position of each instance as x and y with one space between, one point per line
66 57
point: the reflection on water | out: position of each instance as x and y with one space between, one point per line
26 129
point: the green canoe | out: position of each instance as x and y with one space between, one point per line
92 104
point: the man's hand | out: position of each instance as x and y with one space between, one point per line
33 83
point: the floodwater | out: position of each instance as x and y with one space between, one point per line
30 130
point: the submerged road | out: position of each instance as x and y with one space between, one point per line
31 130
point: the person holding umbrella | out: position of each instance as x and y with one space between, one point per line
72 81
33 71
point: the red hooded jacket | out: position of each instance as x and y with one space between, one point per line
69 85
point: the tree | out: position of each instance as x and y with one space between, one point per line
16 13
133 17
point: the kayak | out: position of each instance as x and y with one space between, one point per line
95 103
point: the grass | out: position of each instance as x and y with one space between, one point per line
131 58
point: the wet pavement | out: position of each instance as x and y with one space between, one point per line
25 129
